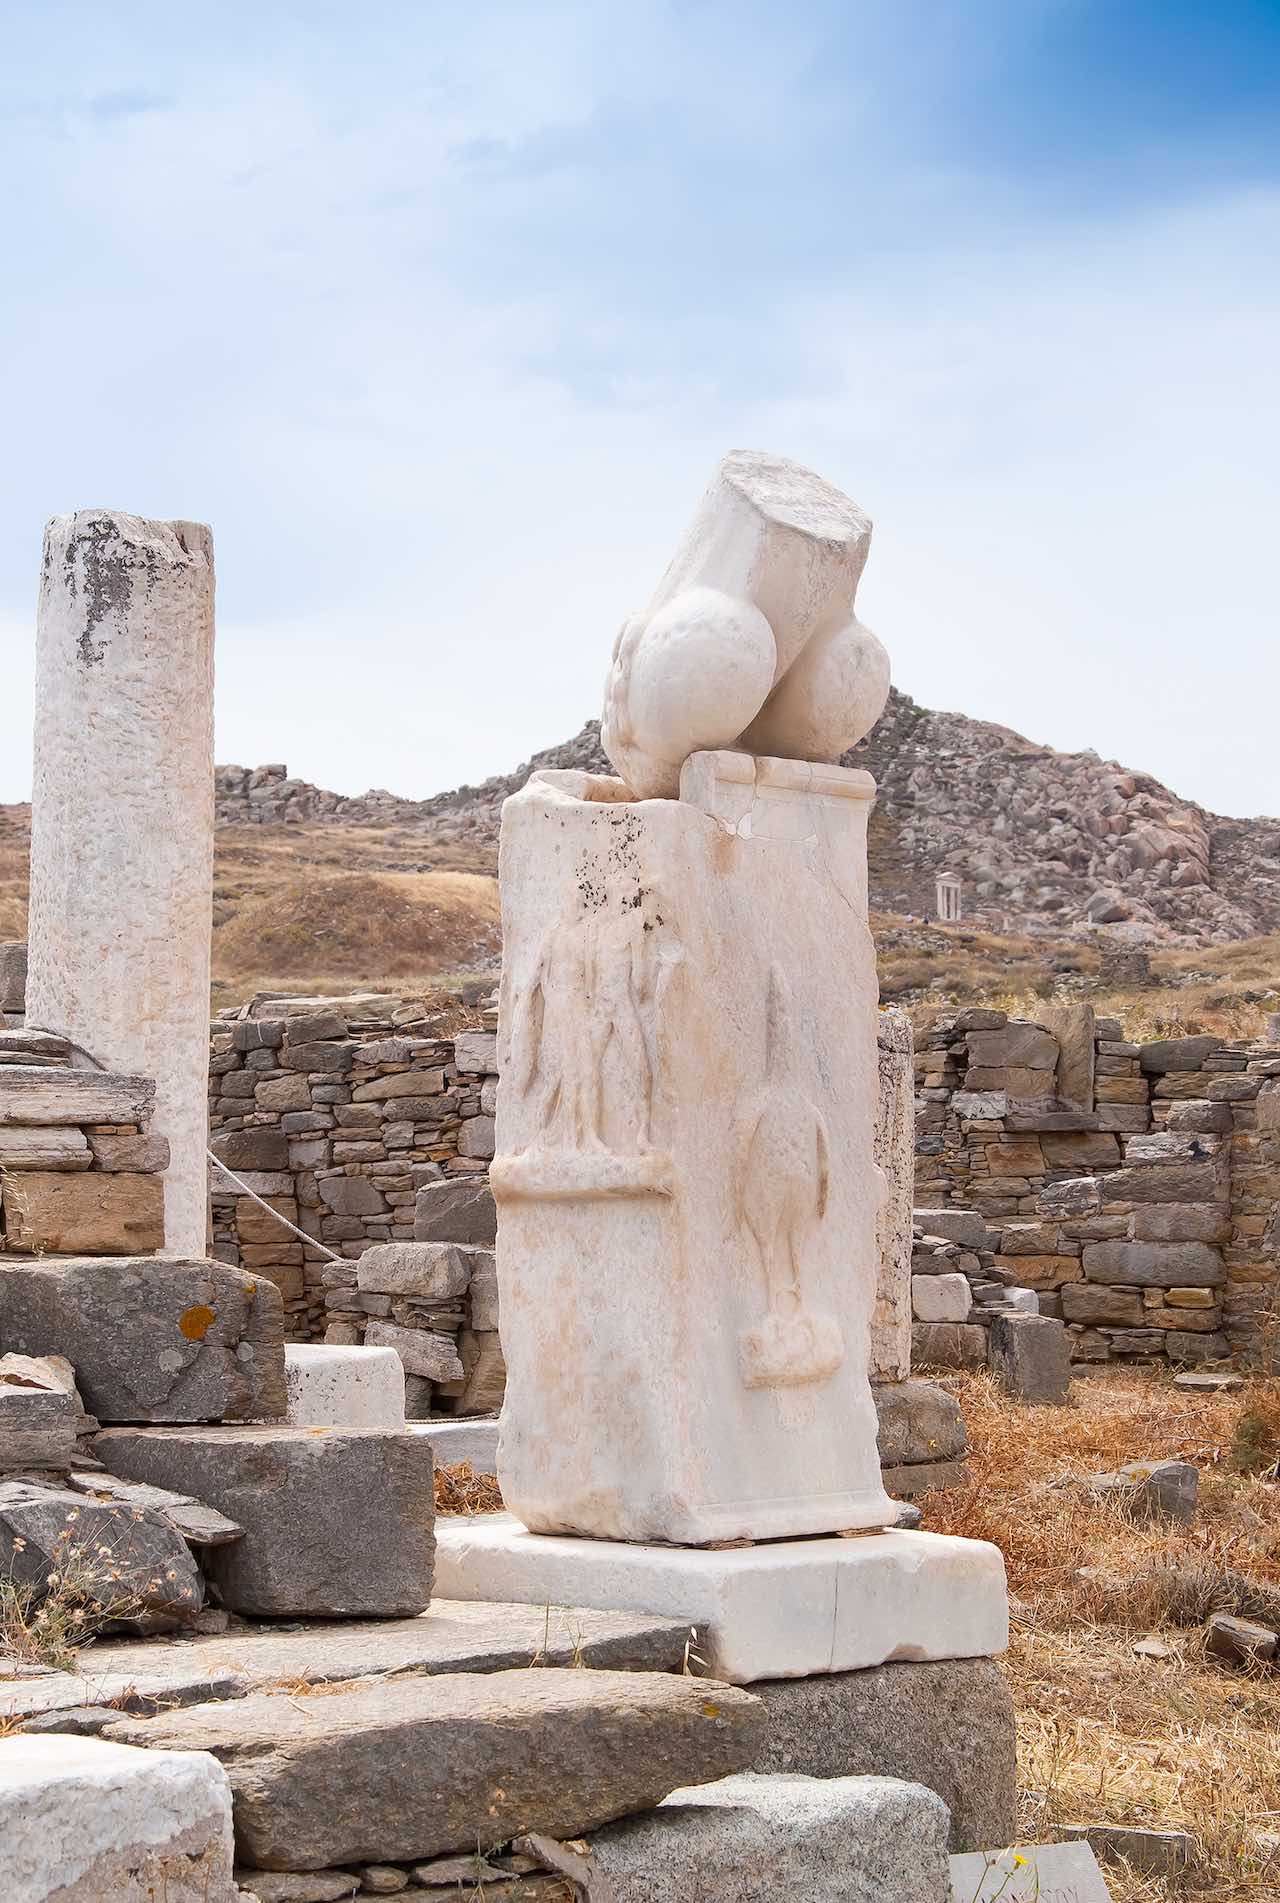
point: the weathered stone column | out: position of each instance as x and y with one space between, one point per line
896 1155
122 819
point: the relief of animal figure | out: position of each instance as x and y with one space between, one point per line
783 1184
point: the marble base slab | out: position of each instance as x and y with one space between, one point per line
784 1609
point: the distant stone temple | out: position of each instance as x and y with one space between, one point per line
947 897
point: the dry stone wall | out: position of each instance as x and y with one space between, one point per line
1133 1186
346 1121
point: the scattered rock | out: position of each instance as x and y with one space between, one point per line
127 1563
1240 1641
197 1523
1208 1383
1030 1358
1161 1853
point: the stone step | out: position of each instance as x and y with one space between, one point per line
413 1767
453 1636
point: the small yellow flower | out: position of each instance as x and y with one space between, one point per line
1018 1861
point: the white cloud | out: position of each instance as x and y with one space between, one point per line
447 378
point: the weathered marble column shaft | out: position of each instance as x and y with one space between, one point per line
686 1182
122 819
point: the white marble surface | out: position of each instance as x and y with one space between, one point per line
941 1298
685 1175
122 820
751 637
344 1387
787 1609
84 1821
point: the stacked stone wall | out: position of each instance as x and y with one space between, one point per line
1133 1186
338 1125
80 1172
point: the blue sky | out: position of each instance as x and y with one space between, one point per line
442 316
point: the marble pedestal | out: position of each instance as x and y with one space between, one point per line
686 1182
786 1609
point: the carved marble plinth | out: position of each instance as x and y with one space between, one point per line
686 1182
785 1609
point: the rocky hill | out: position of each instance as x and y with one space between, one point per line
1041 840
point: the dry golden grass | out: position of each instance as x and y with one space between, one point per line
1106 1735
460 1489
352 928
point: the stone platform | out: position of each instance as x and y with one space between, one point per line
782 1609
146 1675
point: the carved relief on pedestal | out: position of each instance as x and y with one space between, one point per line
782 1189
584 1053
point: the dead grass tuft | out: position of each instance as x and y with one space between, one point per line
461 1490
1105 1734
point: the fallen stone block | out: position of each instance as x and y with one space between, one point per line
1240 1641
133 1689
124 1562
948 1344
1029 1873
414 1767
1030 1358
360 1389
460 1209
1209 1383
1154 1852
37 1425
421 1350
49 1212
83 1821
925 1476
946 1724
196 1523
153 1338
940 1298
455 1636
754 1839
435 1271
337 1525
918 1421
